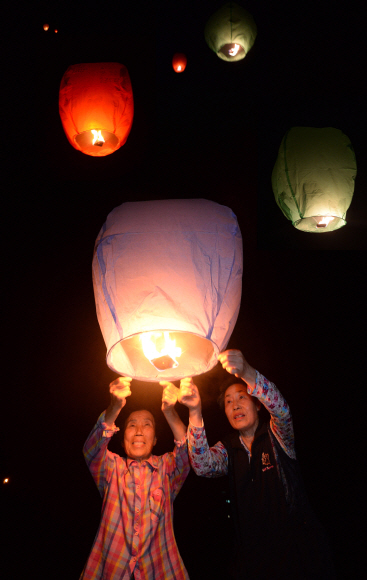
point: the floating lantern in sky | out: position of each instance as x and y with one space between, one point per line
96 107
230 32
167 281
46 27
179 62
313 178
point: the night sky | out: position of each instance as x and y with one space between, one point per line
211 132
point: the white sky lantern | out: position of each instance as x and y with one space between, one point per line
313 178
167 279
230 32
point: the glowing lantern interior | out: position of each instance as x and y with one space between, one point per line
313 178
179 62
160 350
46 27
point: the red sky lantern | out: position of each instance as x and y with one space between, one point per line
96 107
46 26
179 62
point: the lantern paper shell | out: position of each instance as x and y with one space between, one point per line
179 62
313 178
167 265
96 97
230 32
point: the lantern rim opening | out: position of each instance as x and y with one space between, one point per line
226 49
84 141
312 224
199 355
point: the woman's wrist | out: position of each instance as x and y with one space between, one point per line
195 417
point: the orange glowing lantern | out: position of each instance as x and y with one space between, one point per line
96 107
179 62
46 27
56 30
167 281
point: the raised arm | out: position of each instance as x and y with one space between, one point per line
100 461
169 399
258 386
206 461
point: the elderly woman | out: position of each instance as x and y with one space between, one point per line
276 533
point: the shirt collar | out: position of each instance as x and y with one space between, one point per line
152 460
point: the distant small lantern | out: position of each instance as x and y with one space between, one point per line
56 30
96 107
313 178
167 279
46 27
230 32
179 62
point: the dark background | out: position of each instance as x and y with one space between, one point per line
211 132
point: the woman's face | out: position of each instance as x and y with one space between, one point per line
240 408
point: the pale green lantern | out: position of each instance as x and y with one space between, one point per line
313 178
230 32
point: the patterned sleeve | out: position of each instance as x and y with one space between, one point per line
205 460
177 466
281 422
100 461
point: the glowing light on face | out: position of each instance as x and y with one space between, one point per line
98 138
160 350
234 50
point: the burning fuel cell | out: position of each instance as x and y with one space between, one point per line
160 350
167 278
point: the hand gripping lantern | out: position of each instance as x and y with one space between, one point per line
96 107
167 279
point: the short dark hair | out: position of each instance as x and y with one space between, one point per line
228 382
134 411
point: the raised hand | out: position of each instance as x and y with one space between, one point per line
169 396
190 397
235 363
119 390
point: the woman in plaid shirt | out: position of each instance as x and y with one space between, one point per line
135 538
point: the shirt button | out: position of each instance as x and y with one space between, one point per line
137 510
134 559
136 533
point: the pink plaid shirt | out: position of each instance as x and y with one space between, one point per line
135 534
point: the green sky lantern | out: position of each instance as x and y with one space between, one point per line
313 178
230 32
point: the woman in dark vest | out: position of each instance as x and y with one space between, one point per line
276 532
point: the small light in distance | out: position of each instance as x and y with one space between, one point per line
6 480
46 27
56 30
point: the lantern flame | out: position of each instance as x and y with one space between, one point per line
324 221
160 350
98 138
234 50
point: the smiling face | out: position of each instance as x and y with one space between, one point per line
139 436
241 409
